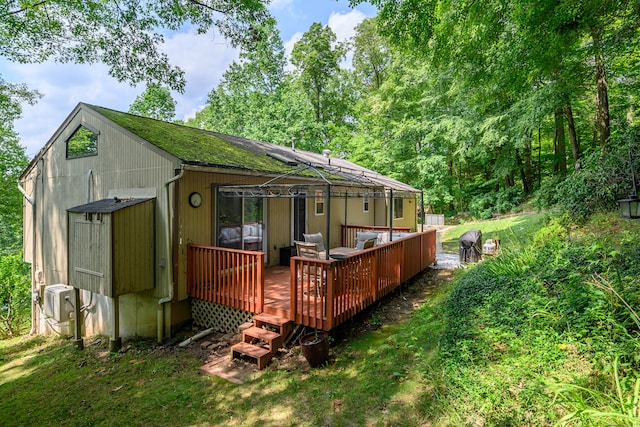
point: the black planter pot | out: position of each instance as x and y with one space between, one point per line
315 348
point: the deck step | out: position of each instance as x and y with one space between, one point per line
270 330
263 334
262 355
270 319
279 324
273 339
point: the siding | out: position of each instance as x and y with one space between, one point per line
123 164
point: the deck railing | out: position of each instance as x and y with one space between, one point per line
350 232
325 293
230 277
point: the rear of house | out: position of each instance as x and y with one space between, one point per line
115 200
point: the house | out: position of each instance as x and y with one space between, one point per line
126 218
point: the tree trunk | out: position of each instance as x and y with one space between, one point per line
526 167
559 145
602 92
573 138
539 159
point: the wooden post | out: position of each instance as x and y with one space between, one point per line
115 343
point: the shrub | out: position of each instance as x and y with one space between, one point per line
15 295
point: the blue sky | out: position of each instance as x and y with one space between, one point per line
203 58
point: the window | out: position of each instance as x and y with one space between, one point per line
397 208
83 142
319 201
365 203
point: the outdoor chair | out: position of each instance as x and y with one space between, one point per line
307 250
315 238
310 250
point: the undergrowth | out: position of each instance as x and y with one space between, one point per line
549 332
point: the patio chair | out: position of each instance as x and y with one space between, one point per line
315 238
310 250
307 250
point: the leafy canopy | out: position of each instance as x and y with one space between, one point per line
125 35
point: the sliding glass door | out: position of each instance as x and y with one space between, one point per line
240 222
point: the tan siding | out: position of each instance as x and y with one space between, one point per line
133 243
90 252
122 162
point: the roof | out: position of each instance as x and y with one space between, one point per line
199 147
107 205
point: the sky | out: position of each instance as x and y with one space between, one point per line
204 58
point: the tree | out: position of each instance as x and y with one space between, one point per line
12 161
155 102
124 35
371 56
317 57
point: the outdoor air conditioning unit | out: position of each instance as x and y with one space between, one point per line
58 302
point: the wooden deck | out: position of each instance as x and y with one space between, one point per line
311 292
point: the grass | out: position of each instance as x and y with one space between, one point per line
513 231
518 340
376 380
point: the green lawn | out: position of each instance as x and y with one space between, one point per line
513 231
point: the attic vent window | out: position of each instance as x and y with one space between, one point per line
83 142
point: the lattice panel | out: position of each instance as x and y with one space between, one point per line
219 317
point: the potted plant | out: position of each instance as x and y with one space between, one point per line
315 347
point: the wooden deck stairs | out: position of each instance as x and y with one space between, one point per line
262 341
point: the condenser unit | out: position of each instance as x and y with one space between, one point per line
58 302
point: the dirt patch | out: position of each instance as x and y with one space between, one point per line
214 350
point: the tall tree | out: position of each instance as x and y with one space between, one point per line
317 57
155 102
371 55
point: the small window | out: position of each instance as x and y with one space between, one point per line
365 203
83 142
319 201
397 208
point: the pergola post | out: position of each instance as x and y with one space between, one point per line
391 214
328 221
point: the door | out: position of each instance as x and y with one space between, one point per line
240 222
299 217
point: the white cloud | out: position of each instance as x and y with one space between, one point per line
344 24
204 58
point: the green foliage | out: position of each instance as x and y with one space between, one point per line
15 295
567 295
484 205
12 161
123 35
603 178
155 102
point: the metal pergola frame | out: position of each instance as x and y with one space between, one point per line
355 185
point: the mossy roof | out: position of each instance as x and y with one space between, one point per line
200 147
197 146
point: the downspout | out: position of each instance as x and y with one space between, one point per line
169 297
89 305
34 300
